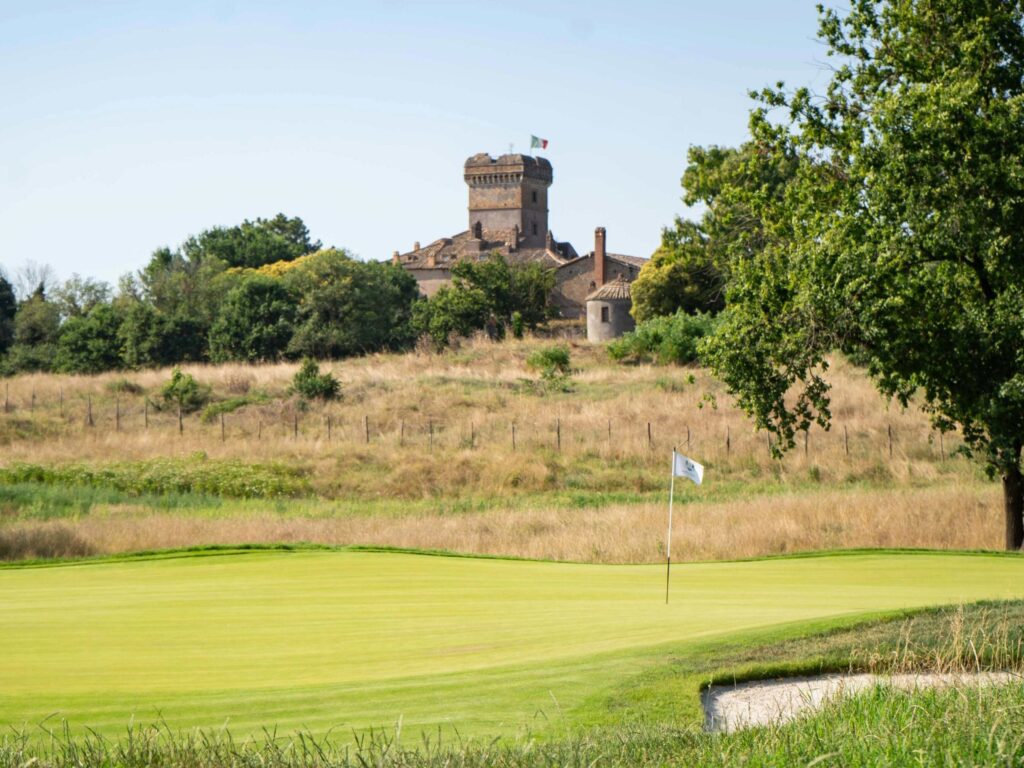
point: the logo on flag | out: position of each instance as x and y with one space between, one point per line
538 143
684 467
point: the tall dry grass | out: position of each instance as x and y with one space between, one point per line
440 427
947 517
420 425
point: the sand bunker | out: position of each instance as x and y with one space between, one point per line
762 702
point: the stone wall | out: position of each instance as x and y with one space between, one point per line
575 281
608 319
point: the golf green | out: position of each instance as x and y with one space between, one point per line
319 639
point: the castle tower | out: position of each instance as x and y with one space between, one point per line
507 193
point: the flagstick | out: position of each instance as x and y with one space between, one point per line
668 540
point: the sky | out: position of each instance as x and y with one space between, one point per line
127 126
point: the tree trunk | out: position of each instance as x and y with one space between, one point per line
1013 501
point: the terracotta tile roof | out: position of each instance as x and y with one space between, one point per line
616 290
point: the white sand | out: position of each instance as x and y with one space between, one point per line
729 707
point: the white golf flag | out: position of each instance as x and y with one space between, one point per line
684 467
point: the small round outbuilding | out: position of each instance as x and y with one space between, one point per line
608 309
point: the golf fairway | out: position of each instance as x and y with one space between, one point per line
347 640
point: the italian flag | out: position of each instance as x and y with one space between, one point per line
538 143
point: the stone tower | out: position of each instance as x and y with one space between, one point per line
508 198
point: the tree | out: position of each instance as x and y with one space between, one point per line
36 330
255 321
77 295
900 236
8 309
89 343
691 266
487 294
348 307
680 276
252 243
452 311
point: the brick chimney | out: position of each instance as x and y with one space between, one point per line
599 255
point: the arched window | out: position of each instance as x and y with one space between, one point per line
535 227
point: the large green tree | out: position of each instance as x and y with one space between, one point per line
89 342
254 323
901 237
252 243
350 307
36 331
689 270
487 293
8 309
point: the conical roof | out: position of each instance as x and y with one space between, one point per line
616 290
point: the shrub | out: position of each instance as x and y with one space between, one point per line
196 474
185 392
213 410
553 364
673 339
124 387
311 384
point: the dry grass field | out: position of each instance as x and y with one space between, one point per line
419 452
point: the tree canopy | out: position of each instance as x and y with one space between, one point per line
486 294
899 237
689 270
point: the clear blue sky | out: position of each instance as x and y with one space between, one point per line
125 126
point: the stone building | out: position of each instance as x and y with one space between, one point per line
508 214
608 314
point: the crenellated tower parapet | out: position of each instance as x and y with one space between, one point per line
509 194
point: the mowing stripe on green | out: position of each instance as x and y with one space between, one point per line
357 639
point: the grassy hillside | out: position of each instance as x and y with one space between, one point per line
419 453
315 640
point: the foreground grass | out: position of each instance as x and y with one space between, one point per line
881 727
326 640
965 726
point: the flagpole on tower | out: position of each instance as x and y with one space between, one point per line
668 539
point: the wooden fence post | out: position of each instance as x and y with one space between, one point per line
472 435
328 428
889 431
650 442
117 414
295 426
430 429
942 446
846 440
401 433
687 438
558 434
88 411
181 424
806 433
513 435
259 429
7 397
222 427
728 441
145 413
62 402
366 428
32 402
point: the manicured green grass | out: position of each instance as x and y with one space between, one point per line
314 640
